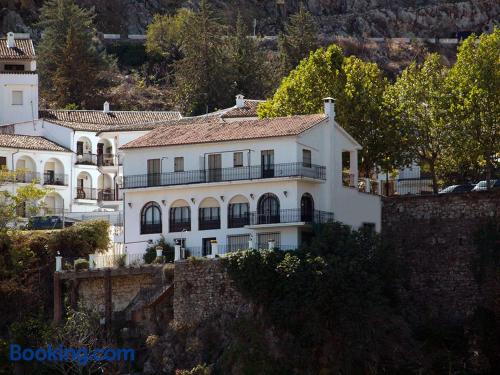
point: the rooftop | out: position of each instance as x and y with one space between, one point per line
216 129
28 142
23 50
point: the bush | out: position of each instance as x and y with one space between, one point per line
121 260
168 251
81 264
81 239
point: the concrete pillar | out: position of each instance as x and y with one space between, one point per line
108 307
177 250
353 166
91 261
159 251
58 302
250 244
215 249
270 245
58 263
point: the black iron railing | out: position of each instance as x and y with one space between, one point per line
106 160
205 224
50 178
238 222
27 177
225 174
86 193
150 228
86 159
108 195
179 225
291 216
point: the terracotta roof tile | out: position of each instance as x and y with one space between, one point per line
213 129
23 50
249 109
28 142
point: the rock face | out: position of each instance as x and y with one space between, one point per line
377 18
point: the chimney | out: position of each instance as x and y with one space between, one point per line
11 41
106 107
240 101
329 108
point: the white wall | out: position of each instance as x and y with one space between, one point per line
28 111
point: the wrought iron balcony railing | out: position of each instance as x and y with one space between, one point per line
86 159
57 179
291 216
225 174
86 193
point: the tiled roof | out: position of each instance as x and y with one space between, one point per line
249 109
213 129
23 50
28 142
99 121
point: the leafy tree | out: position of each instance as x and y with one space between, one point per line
358 87
248 63
70 64
201 80
417 102
299 39
474 82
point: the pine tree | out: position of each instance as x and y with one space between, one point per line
68 59
299 39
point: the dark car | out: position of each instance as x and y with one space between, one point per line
48 222
482 185
457 189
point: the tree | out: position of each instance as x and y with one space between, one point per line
248 64
417 102
358 87
69 62
201 80
474 106
298 40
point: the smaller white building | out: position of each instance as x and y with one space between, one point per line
40 160
242 182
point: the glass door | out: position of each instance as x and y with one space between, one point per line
267 163
214 167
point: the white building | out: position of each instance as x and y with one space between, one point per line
234 181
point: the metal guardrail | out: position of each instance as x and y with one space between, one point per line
56 179
291 216
225 174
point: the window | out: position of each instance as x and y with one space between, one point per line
151 218
209 218
306 158
267 163
179 164
14 67
154 172
3 162
238 159
268 209
17 97
180 219
263 240
307 208
238 242
238 215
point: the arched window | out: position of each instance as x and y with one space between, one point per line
268 209
151 218
238 213
180 217
209 214
307 208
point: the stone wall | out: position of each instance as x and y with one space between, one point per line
202 289
124 287
433 238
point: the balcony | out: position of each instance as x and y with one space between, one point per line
288 216
86 159
27 177
86 193
108 195
180 225
107 160
206 224
225 174
55 179
238 222
150 228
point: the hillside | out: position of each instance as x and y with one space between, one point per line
389 18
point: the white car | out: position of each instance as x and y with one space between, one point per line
482 185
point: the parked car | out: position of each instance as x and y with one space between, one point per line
482 185
48 222
457 189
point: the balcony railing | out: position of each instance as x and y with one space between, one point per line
238 222
86 193
205 224
27 177
225 174
179 225
86 159
57 179
291 216
107 160
108 195
150 228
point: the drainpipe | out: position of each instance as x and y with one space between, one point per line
14 168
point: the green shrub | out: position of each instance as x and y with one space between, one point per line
121 260
81 239
168 252
81 264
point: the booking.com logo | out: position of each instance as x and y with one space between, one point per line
82 356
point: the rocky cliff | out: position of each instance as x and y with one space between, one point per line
389 18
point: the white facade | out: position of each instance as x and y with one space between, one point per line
46 167
290 184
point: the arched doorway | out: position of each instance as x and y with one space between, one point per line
268 209
180 216
209 214
307 208
238 213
